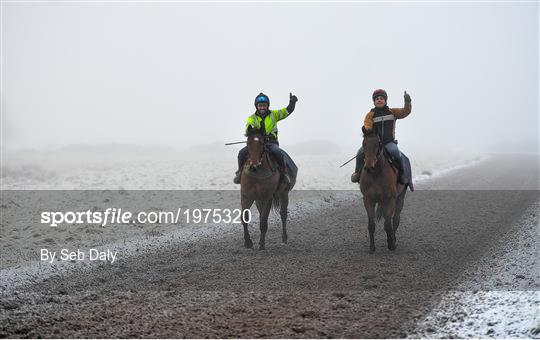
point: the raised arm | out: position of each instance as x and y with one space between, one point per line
286 111
400 113
292 103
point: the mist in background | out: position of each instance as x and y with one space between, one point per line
180 75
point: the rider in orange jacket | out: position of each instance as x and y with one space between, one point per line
383 119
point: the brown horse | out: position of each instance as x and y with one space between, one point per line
260 183
379 186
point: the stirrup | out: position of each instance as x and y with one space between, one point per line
286 178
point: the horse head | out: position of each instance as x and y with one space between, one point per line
255 145
372 148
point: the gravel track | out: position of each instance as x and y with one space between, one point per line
322 284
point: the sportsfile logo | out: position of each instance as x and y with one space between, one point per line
119 216
110 215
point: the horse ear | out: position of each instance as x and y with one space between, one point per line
253 131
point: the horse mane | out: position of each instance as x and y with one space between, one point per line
369 132
252 131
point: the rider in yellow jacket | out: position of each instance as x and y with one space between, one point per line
266 120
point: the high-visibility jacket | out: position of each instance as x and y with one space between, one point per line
270 121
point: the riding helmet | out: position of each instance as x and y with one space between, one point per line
262 98
379 92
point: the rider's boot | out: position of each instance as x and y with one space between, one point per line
236 179
402 176
242 157
282 168
355 177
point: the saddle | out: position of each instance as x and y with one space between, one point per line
406 167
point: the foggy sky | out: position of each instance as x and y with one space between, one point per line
180 74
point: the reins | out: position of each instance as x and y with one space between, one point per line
380 152
264 154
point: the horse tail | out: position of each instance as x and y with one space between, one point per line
378 213
276 202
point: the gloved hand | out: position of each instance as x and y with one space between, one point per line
407 97
292 98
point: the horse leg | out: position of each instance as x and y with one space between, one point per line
399 206
388 212
370 208
264 213
246 204
284 200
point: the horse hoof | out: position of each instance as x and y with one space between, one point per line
261 247
392 246
371 250
248 244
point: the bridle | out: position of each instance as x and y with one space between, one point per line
379 152
263 154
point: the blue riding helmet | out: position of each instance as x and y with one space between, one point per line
262 98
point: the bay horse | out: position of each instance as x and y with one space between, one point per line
260 182
380 187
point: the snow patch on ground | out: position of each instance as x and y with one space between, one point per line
440 172
499 296
177 171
